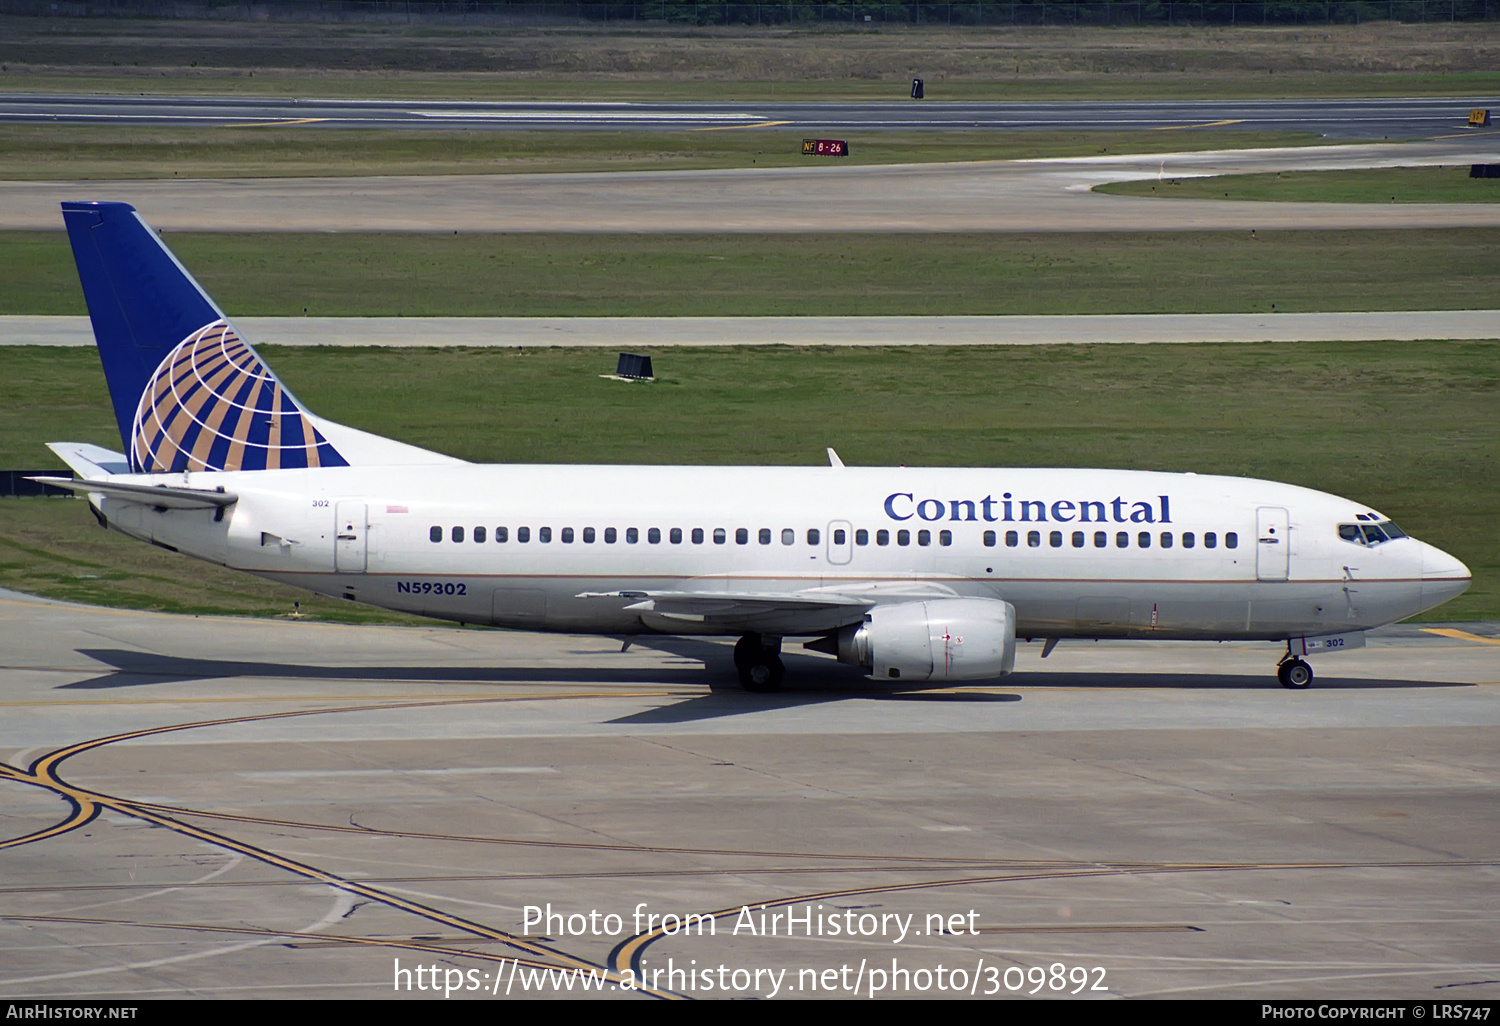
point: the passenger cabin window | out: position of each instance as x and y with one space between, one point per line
609 536
457 534
1012 539
924 537
861 536
1143 540
764 535
1101 539
742 536
1078 539
697 536
588 536
1033 539
653 535
502 534
1166 539
719 536
567 536
903 537
839 536
1122 539
1210 540
436 534
945 537
882 537
813 537
1187 539
1055 539
523 534
544 534
788 536
989 538
675 536
1231 540
479 534
632 535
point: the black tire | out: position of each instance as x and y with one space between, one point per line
1295 674
746 650
763 673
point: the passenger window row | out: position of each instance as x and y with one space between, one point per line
1122 540
788 536
674 535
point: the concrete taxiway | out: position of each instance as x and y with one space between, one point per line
638 332
217 807
1021 195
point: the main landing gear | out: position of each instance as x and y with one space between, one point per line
758 658
1294 673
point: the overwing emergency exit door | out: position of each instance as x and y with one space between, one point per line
840 542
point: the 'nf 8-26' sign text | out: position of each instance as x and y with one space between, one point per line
825 148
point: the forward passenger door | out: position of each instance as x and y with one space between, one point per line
1272 544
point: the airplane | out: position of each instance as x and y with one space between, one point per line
910 574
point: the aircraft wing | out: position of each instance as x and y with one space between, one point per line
773 612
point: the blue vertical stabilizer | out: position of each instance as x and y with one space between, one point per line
141 300
188 392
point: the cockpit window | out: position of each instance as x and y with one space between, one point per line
1370 534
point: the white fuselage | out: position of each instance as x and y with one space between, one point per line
1079 553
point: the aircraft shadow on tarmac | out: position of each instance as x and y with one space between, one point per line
811 680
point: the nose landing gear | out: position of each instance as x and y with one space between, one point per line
1294 673
758 659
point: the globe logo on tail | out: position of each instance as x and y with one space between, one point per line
213 405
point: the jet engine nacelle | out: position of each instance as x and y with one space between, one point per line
941 639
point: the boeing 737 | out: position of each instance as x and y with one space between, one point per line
911 574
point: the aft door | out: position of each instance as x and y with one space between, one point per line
351 531
840 542
1272 544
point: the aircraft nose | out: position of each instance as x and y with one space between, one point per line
1443 577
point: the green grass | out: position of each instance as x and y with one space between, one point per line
1382 185
1411 428
1045 86
845 274
75 152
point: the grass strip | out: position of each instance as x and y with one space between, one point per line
102 153
1379 185
1410 428
1043 84
850 274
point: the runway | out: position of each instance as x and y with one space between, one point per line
999 196
273 809
1360 118
645 332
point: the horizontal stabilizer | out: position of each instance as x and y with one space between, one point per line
90 461
156 496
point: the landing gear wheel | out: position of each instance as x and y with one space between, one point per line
759 666
1295 674
745 649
